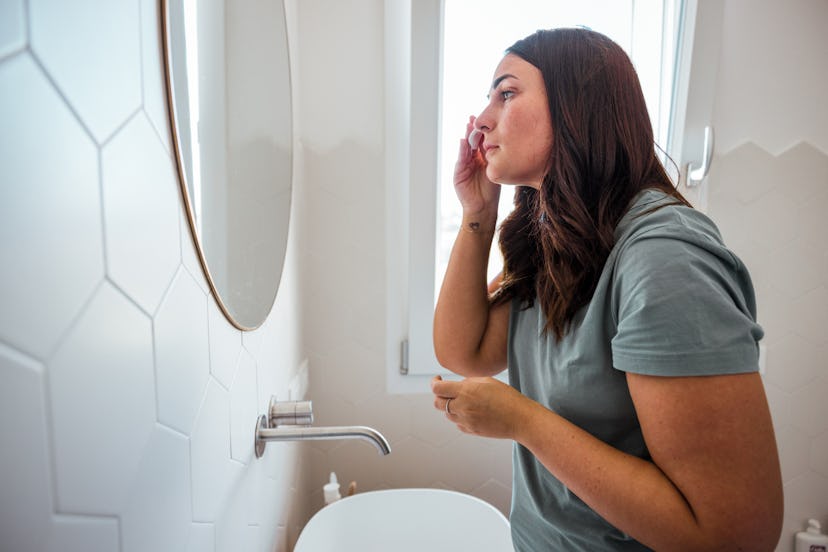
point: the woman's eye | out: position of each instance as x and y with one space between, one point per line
506 94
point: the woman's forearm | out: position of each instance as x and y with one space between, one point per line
630 493
634 494
461 317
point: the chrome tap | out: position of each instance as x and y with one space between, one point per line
290 421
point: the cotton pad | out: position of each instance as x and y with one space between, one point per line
474 138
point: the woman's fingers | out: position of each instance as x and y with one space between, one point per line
482 406
445 393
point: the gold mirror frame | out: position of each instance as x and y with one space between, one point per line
243 308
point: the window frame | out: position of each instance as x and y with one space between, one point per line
411 179
413 66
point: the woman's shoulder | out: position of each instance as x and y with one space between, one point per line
654 213
657 229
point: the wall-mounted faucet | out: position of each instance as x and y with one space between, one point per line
291 421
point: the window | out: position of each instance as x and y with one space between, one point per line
438 71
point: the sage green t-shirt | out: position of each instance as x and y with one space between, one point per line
672 300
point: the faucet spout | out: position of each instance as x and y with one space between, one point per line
265 434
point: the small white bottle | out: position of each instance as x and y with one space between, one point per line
331 490
811 540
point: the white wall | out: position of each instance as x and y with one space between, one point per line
341 126
127 402
768 193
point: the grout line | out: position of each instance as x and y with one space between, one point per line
134 114
8 56
48 76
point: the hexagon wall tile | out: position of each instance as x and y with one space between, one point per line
97 67
140 192
225 345
780 405
53 208
776 206
389 414
85 533
812 222
202 537
233 530
413 463
12 26
269 374
265 498
158 512
492 453
353 460
808 408
819 454
111 345
253 342
789 274
279 459
806 171
182 360
776 313
795 362
152 71
805 498
26 499
214 473
747 173
793 447
495 493
236 536
355 384
730 216
258 494
243 414
810 310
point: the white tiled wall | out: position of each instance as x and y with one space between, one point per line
127 402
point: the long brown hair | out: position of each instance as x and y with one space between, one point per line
556 241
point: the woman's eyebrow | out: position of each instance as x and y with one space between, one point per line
500 79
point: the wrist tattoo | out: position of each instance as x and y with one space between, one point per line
473 227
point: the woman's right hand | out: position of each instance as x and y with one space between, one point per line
478 195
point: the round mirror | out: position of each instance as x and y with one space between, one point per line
228 88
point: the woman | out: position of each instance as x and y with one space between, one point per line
628 329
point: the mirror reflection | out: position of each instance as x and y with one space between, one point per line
228 81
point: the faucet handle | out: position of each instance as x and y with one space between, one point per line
289 413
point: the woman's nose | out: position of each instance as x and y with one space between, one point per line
483 122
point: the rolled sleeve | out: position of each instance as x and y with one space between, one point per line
684 308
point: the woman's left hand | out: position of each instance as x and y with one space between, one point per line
482 406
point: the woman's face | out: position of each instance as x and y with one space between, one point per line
516 125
